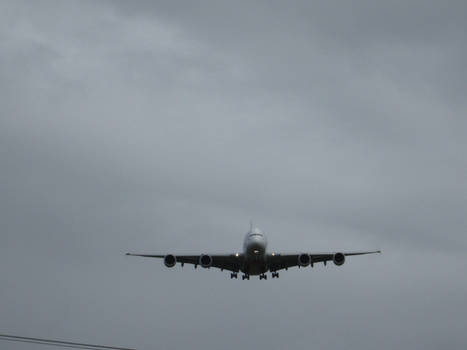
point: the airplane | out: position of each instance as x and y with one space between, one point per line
255 260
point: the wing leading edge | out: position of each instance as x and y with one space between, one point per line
230 262
279 261
274 261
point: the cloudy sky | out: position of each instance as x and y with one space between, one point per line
165 126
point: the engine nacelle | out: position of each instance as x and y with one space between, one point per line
205 260
339 259
304 260
170 260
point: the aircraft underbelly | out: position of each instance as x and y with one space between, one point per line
255 267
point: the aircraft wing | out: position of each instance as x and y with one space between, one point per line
278 262
230 262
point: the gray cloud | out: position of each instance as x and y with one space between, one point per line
165 127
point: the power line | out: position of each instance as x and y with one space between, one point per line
60 343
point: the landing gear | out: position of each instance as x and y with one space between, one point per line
263 277
245 277
233 275
275 274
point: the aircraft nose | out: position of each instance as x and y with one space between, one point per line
256 243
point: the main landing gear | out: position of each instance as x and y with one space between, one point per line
263 276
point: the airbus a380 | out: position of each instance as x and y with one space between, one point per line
254 260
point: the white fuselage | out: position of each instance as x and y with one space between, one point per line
254 252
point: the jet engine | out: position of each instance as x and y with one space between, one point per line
170 260
339 259
205 260
304 260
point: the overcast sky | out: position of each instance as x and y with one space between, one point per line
165 126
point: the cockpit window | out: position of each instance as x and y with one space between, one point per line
255 234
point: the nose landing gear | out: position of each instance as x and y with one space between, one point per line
233 275
245 277
263 277
275 275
